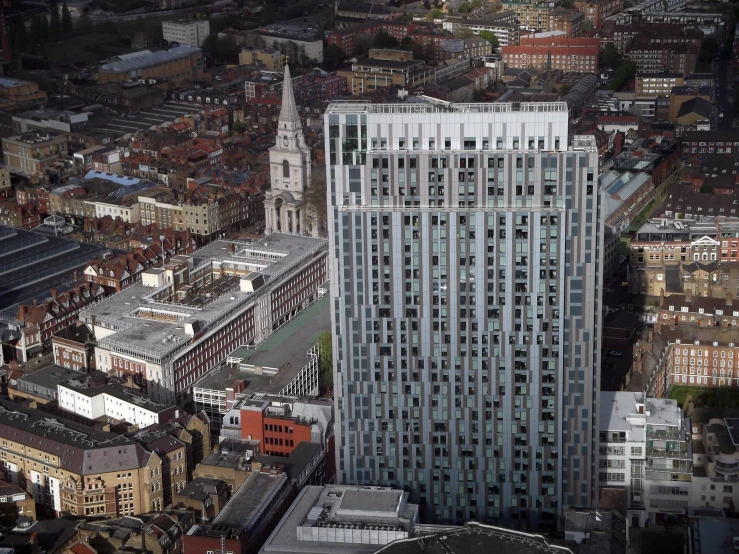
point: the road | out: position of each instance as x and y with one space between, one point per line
724 90
161 13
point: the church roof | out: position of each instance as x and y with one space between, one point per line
289 111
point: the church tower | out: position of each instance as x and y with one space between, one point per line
290 170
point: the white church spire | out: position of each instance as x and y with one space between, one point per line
289 113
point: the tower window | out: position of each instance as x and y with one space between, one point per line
285 169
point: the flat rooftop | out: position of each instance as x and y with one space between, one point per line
147 58
426 105
149 118
270 257
339 506
249 499
285 350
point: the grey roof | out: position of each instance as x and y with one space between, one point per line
51 535
33 263
201 488
298 460
245 505
278 252
714 535
82 449
147 58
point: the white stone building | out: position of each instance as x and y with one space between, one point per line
186 33
645 449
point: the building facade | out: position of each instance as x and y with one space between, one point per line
454 233
186 33
578 55
285 206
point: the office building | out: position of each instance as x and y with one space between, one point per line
184 319
186 33
464 261
32 153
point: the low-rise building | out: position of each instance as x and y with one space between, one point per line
74 347
17 94
344 518
569 21
15 503
503 24
205 496
273 60
84 472
285 364
657 57
33 153
384 69
229 295
465 49
597 11
186 33
660 84
299 40
577 55
180 65
247 518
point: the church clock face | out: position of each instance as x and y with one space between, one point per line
285 141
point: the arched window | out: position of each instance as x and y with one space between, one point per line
285 169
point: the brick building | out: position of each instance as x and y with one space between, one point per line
655 57
597 11
74 347
578 55
569 21
221 304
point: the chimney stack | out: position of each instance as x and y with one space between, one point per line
53 293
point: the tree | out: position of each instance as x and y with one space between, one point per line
383 39
45 28
624 72
612 57
85 23
435 13
490 37
564 89
569 4
362 44
238 127
476 4
109 27
55 24
67 26
406 43
333 52
464 7
325 360
588 25
464 33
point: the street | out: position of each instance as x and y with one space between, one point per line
724 91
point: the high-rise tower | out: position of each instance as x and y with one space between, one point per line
465 255
290 168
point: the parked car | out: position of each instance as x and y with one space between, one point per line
615 353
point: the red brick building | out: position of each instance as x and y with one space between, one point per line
566 20
597 11
74 347
579 55
429 38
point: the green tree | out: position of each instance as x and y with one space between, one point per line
464 33
406 43
36 28
624 72
476 4
569 4
362 44
85 23
325 360
67 26
464 7
435 13
588 25
55 24
490 37
238 127
383 39
333 52
611 56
